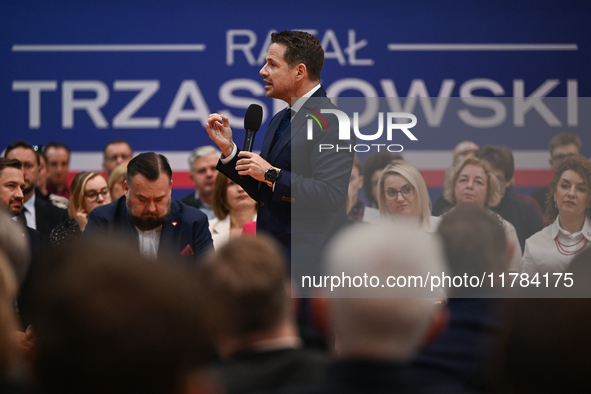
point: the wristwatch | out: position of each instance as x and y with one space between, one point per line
271 175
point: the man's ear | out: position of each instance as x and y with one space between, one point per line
301 71
126 188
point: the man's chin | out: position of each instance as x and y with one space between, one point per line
28 189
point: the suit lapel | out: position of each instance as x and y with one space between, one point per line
298 122
125 224
168 235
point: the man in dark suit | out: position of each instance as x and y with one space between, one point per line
12 183
149 217
38 211
301 190
203 162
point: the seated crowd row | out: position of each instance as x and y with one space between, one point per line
105 320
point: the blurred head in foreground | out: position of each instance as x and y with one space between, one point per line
244 286
109 321
394 322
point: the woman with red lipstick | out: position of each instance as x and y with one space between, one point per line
568 208
472 183
403 193
232 208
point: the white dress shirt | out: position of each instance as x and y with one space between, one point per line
149 242
30 214
542 254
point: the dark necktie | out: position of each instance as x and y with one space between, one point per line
282 126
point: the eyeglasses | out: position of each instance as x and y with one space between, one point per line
93 194
392 194
561 157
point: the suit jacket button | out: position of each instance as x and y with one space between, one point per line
262 204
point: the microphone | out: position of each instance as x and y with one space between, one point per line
252 123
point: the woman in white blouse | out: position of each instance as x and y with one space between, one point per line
402 192
232 208
568 208
472 183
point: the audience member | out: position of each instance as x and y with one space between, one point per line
373 167
203 162
115 153
89 190
12 183
403 193
245 290
561 147
148 216
38 211
568 209
474 244
109 321
520 214
376 337
233 208
461 151
116 180
355 206
58 168
58 201
472 183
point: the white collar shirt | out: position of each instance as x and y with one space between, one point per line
553 248
149 242
30 214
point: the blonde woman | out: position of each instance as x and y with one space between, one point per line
403 193
472 183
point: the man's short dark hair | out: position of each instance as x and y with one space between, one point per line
119 141
564 139
150 165
244 287
55 145
301 47
474 241
107 320
14 163
21 144
499 157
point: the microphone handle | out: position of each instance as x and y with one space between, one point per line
248 140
